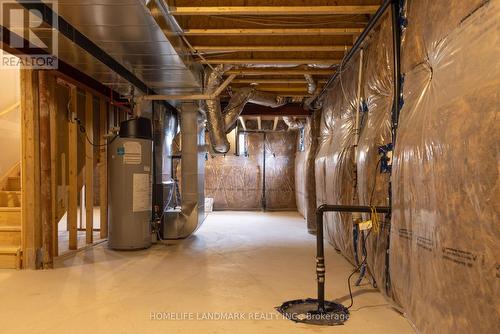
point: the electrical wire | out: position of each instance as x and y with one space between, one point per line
83 131
294 22
374 217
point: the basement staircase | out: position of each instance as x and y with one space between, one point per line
10 219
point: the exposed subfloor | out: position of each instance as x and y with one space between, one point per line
245 262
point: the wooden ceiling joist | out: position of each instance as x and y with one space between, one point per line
280 71
273 81
275 10
281 89
271 61
272 48
275 123
277 32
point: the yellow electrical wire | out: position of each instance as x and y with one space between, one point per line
9 109
374 219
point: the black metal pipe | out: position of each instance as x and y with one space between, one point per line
320 248
397 104
396 51
371 24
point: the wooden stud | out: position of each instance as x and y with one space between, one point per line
89 167
275 124
223 85
53 163
73 172
272 48
242 121
30 171
275 10
275 32
45 170
259 123
103 169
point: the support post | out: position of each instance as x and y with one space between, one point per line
73 172
103 169
53 162
89 167
45 169
30 171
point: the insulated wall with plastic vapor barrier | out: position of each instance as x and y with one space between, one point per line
334 165
235 182
279 174
372 185
444 239
260 178
305 192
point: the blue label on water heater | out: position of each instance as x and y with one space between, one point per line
120 151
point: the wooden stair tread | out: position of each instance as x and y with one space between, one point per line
10 228
9 249
10 209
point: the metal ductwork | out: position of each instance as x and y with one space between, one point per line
215 124
244 95
182 223
220 122
293 124
236 104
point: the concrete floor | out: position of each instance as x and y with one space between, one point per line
237 262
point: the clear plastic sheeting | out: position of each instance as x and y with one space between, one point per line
444 239
305 192
373 186
236 182
334 165
279 175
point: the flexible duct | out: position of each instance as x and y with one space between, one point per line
235 107
311 84
293 124
215 120
218 122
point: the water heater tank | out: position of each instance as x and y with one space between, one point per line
130 161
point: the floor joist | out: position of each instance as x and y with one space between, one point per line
272 61
278 71
275 10
277 32
272 48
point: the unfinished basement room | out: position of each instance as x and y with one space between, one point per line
249 166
